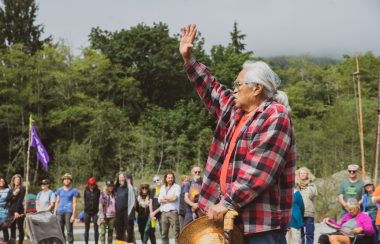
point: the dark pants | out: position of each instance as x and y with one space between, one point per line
188 218
149 233
267 237
130 229
6 234
87 222
141 221
307 233
64 222
19 222
121 222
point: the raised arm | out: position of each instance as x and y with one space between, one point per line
216 97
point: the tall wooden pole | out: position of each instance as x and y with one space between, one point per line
377 137
361 133
28 162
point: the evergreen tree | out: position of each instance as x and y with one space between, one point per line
17 25
237 39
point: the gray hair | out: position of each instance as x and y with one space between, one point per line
259 72
352 203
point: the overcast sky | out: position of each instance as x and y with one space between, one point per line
273 27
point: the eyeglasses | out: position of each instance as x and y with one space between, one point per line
352 171
238 84
197 172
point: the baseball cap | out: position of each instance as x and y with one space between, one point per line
353 167
45 182
367 182
91 181
109 182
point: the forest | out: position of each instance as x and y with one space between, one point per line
125 104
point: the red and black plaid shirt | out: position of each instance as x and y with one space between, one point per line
261 170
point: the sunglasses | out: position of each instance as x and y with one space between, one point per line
156 181
197 172
352 171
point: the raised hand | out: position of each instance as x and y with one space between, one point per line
186 44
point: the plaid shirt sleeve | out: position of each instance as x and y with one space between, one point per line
263 163
216 97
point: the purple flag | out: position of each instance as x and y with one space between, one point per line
42 154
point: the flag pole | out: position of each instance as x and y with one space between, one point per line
361 134
27 162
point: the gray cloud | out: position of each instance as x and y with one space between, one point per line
283 27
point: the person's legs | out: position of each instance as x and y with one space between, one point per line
13 230
5 234
61 221
267 237
96 228
130 230
339 239
120 225
181 219
141 222
176 226
188 218
87 221
147 229
69 228
110 226
103 227
20 227
309 230
165 224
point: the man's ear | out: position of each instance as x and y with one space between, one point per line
258 89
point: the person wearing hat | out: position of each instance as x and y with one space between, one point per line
91 208
350 188
367 204
251 164
65 206
45 199
107 212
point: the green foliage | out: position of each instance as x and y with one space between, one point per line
17 25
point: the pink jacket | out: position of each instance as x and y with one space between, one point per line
363 220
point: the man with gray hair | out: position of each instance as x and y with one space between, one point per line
251 163
351 187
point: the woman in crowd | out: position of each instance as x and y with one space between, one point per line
308 190
4 198
91 208
107 212
125 203
353 223
367 204
16 207
143 201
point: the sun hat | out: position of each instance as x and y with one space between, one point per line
353 167
203 230
67 176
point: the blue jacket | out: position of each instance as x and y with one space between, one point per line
298 209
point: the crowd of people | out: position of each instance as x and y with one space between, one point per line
115 209
359 221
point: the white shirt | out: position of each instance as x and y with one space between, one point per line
174 190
